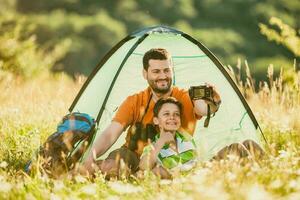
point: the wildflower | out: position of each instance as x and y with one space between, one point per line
209 164
113 198
283 154
293 184
231 176
165 182
44 179
202 172
179 180
200 176
215 191
288 171
123 188
161 196
233 158
14 110
3 164
80 179
54 197
276 184
257 192
19 186
90 189
293 196
58 185
5 187
29 196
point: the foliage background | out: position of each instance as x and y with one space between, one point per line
78 33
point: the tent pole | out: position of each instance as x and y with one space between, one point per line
116 76
97 68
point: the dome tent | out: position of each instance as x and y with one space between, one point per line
119 74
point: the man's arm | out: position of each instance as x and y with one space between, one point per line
101 145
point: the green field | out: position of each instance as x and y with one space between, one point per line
30 111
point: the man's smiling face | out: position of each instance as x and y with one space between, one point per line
159 75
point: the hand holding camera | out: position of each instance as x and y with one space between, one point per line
207 93
210 96
200 92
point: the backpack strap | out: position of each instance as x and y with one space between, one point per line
76 154
73 116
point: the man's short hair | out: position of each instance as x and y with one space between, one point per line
163 101
156 54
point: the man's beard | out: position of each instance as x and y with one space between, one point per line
160 90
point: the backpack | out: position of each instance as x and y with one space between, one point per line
64 148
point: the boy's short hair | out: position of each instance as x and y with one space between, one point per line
156 54
163 101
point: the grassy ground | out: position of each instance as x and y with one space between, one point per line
29 112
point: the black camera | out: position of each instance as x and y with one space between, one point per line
143 133
200 92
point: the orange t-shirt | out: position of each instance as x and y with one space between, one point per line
133 108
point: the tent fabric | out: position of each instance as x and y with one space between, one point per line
119 75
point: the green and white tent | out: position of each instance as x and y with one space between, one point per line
119 74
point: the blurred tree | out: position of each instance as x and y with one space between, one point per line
287 36
7 5
19 53
287 10
282 34
229 28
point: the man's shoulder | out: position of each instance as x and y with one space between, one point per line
180 94
179 91
138 95
141 93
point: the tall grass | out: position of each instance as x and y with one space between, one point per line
29 112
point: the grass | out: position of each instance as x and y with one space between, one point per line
29 112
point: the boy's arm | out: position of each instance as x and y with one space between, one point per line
148 160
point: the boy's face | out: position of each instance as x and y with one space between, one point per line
168 118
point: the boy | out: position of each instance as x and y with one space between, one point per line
170 149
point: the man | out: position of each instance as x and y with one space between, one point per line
136 112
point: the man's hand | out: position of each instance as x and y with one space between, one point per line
215 94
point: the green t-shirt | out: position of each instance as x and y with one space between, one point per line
169 159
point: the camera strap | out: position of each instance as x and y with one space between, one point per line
217 104
146 109
206 122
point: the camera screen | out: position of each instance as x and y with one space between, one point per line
199 92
